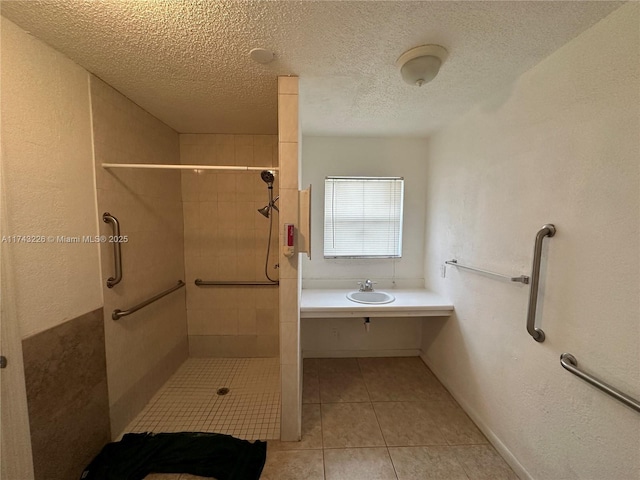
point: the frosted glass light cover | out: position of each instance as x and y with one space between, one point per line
420 70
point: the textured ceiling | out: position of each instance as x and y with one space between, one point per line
187 62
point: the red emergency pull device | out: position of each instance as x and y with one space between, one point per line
289 227
289 236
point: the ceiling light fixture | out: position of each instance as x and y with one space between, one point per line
421 64
261 55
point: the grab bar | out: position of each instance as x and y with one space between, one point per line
570 363
202 283
117 313
117 253
547 230
521 278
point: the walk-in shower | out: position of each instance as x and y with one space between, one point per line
268 178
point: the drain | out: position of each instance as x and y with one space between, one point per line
222 391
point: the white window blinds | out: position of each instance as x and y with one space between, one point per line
363 216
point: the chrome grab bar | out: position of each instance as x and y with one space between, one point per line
203 283
521 278
570 363
547 230
117 313
117 253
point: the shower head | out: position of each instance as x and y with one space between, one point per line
267 177
265 210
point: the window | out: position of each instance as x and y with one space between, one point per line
363 217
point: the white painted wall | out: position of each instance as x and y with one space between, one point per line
49 182
360 156
561 146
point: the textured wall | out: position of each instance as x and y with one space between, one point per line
143 349
561 146
48 187
360 156
226 239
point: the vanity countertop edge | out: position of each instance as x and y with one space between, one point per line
409 302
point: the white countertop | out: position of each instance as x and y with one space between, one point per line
409 302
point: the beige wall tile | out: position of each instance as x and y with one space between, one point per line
290 344
288 157
247 321
288 118
290 428
288 85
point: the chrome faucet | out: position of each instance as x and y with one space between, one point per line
366 286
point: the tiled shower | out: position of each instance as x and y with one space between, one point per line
187 225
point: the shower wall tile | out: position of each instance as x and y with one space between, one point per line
289 313
148 204
226 239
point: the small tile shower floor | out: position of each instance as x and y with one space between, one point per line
379 419
189 400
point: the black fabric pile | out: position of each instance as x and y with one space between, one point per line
222 457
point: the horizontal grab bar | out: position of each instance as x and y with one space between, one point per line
202 283
570 363
117 313
521 278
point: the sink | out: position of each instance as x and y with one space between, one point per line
370 297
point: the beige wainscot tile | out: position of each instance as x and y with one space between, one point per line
293 465
426 463
358 464
311 432
350 425
408 423
482 462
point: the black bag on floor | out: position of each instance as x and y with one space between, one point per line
205 454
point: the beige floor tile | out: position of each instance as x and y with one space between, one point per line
350 425
358 464
482 462
311 432
426 463
408 423
404 379
310 365
455 424
293 465
342 387
310 387
338 365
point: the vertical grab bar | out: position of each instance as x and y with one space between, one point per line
117 254
547 230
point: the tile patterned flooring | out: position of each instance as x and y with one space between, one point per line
189 402
379 419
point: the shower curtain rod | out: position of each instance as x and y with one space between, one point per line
242 168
